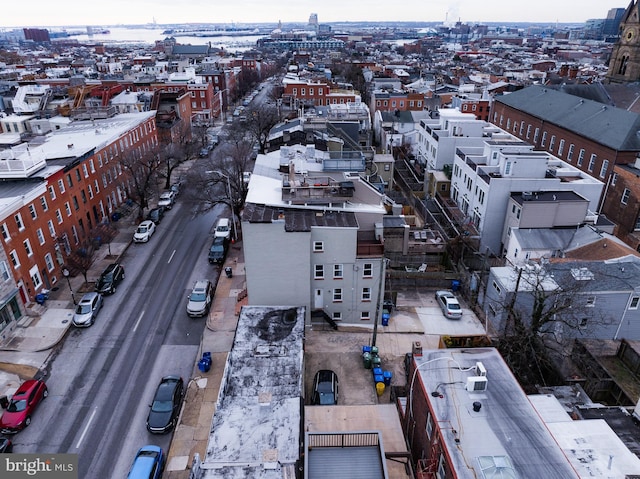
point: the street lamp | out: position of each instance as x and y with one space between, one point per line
65 273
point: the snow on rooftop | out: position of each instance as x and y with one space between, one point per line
256 426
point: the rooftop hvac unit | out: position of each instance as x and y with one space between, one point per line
476 383
480 369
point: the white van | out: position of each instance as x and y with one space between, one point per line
223 228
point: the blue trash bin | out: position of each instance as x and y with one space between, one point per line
366 349
385 319
377 371
204 365
207 356
378 378
455 285
387 375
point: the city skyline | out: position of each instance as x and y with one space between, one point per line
41 13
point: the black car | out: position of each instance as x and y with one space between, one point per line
156 214
218 250
325 388
5 445
110 278
166 405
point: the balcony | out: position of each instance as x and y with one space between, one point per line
20 162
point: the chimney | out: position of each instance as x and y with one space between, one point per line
292 172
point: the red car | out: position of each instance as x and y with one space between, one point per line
25 400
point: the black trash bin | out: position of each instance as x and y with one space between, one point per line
228 271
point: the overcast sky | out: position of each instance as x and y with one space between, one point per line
114 12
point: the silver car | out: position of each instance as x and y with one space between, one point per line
87 310
199 301
449 304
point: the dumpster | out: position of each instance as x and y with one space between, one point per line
366 359
387 375
377 371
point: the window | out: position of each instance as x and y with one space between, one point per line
43 202
69 181
604 168
4 271
528 132
40 235
85 171
570 152
592 162
337 271
429 424
560 147
67 208
497 288
580 157
543 143
14 259
48 259
614 178
5 232
52 230
61 186
52 192
367 270
318 271
35 277
536 135
366 294
552 142
337 295
365 315
76 205
337 316
78 177
318 246
634 302
32 211
19 223
625 196
27 247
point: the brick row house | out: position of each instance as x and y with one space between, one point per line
54 195
315 93
598 139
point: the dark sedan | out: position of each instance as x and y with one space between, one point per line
110 278
325 388
165 407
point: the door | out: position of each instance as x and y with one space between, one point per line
318 300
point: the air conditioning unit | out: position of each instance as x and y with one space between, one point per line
476 383
480 369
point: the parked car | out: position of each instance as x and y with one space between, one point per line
144 231
156 214
175 187
23 403
6 446
87 310
218 250
204 152
223 228
148 463
325 388
449 304
167 199
165 407
110 278
199 301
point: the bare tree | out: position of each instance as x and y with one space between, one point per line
540 317
183 149
220 178
143 173
260 121
82 258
